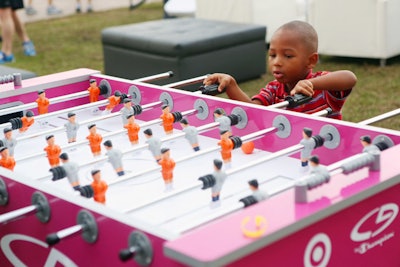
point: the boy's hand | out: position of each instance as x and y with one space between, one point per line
224 81
304 87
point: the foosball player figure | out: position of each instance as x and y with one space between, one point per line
27 121
71 127
367 144
71 170
167 168
133 129
126 110
95 140
220 177
154 144
191 134
167 119
53 151
309 145
9 141
42 102
226 146
114 157
6 160
258 194
113 101
223 120
316 168
94 91
99 187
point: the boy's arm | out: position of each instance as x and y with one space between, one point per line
333 81
229 85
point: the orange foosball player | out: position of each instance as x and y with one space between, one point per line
167 168
6 160
113 101
42 102
95 140
94 91
133 129
27 121
226 146
167 119
53 151
99 187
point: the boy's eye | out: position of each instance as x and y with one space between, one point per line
272 55
289 56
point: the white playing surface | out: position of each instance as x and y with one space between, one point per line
178 212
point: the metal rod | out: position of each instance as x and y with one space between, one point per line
186 82
17 213
283 152
69 231
381 117
155 77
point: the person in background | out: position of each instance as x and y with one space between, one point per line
10 23
51 9
89 7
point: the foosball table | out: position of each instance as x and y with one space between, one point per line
148 215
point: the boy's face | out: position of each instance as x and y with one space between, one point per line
289 60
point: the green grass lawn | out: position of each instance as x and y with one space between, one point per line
75 42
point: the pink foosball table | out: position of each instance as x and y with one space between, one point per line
346 215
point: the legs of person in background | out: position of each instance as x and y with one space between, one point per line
79 7
7 26
52 10
29 47
29 10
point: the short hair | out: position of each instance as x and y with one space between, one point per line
93 172
223 132
253 183
71 114
127 100
92 80
314 159
304 31
49 137
366 138
219 111
6 130
91 126
108 143
148 131
117 93
3 148
184 121
307 131
64 156
164 106
217 163
163 150
29 114
129 116
40 92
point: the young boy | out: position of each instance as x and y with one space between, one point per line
292 56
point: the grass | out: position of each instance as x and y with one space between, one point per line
75 42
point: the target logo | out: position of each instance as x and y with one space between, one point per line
54 257
318 251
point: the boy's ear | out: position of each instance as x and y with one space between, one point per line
313 60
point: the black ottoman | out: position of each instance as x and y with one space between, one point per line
187 46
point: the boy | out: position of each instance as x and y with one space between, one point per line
292 56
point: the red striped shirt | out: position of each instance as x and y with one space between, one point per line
274 92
